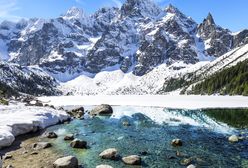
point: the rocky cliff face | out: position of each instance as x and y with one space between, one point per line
135 38
218 40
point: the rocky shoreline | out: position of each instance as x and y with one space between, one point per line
35 150
22 154
30 151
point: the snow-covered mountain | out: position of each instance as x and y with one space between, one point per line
30 80
185 81
128 46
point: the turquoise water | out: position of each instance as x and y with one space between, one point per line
205 139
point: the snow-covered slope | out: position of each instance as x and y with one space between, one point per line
187 80
231 58
118 83
31 80
24 120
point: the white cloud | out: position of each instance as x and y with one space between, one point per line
7 7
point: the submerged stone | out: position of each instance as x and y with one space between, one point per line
110 153
132 160
191 166
186 162
104 166
78 144
233 138
176 142
69 137
126 124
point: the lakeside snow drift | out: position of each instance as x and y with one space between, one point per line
19 119
167 101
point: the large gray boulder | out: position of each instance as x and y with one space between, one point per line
132 160
78 144
110 153
76 113
103 109
66 162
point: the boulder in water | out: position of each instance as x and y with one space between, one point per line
176 142
103 109
233 138
186 162
191 166
69 137
78 144
76 113
110 153
66 162
132 160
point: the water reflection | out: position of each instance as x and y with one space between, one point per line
237 118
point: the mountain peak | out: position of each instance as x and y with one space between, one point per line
143 8
171 9
209 20
74 13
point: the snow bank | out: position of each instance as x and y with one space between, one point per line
19 119
168 101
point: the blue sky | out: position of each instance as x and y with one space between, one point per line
230 14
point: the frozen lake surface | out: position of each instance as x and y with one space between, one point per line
168 101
